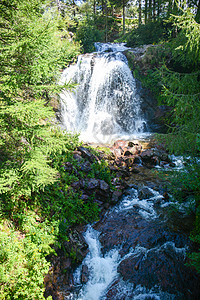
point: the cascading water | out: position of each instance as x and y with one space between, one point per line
124 255
105 104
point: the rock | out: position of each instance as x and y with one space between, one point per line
116 195
120 143
137 160
78 157
166 196
76 245
78 184
154 156
86 167
162 265
99 203
84 197
84 274
104 186
71 169
91 184
131 151
147 155
85 152
134 170
117 152
145 193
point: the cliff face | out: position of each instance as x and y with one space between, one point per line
143 61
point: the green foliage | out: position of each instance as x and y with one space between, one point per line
32 54
189 38
195 237
87 34
185 187
22 258
181 90
149 33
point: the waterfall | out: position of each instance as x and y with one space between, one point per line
104 105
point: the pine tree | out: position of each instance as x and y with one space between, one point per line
181 88
31 54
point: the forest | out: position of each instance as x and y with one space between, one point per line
40 38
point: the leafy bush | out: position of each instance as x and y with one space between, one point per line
22 258
149 33
87 34
32 54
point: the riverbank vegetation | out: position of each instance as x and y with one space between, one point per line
39 39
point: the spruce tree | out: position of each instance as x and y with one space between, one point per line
31 55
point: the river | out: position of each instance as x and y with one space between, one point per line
138 250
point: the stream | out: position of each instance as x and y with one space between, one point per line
134 254
138 249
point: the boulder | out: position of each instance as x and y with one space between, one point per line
84 274
145 193
85 152
163 265
116 196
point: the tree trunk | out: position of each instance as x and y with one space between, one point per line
140 12
102 5
124 17
197 17
106 9
145 12
158 10
94 7
150 11
154 10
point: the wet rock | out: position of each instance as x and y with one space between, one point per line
154 157
147 156
131 151
130 160
86 167
116 196
145 193
78 157
164 266
130 229
91 184
117 152
120 143
85 152
104 186
137 160
84 274
125 148
76 245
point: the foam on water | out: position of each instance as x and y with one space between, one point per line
145 206
103 272
105 104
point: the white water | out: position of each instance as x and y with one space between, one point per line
145 206
103 272
105 104
102 269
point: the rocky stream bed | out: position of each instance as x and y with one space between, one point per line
138 249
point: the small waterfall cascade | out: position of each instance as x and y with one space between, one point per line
105 104
122 260
103 269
